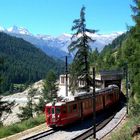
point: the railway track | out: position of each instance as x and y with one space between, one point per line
71 131
82 136
41 135
89 132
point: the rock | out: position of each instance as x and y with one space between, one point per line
136 130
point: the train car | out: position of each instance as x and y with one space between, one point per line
68 111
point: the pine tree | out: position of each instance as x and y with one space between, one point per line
40 107
80 46
28 110
50 87
93 59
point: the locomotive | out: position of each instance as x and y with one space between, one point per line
68 111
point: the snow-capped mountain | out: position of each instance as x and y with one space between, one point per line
1 29
57 46
18 30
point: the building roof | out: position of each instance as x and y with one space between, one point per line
111 75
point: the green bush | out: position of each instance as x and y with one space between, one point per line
134 108
125 132
18 127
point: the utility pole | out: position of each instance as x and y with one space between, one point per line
94 106
66 76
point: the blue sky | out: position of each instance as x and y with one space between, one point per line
54 17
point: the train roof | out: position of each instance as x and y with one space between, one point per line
56 103
62 102
81 95
85 95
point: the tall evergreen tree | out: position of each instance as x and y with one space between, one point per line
28 110
50 87
81 48
94 58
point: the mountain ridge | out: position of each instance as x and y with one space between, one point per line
57 46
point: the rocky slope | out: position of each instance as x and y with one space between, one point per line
20 99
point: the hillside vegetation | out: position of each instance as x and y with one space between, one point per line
23 63
125 50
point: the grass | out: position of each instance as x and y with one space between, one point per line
125 132
18 127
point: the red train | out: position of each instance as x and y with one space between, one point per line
66 112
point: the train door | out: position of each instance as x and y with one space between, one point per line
53 114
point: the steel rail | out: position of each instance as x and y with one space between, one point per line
114 127
89 132
41 135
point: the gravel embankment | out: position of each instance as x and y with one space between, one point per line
118 118
20 101
79 128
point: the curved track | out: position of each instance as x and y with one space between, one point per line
41 135
101 125
77 131
89 132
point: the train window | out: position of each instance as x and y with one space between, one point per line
69 109
48 110
57 111
97 100
86 104
90 103
110 97
52 110
64 110
83 105
100 100
74 107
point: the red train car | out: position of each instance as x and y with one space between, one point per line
66 112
